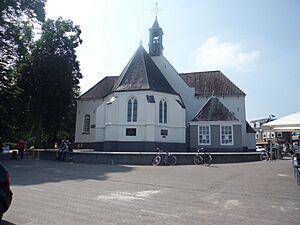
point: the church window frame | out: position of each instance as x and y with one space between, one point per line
86 123
163 111
132 109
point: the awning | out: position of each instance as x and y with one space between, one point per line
287 123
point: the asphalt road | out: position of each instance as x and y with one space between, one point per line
49 193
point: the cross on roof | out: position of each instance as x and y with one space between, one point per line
156 9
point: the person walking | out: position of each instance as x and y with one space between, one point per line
21 146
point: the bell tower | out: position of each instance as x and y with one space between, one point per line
155 39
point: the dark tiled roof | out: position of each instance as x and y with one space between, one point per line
100 90
214 110
141 73
249 129
211 82
155 24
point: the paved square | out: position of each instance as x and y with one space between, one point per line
49 192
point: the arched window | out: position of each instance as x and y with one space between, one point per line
163 111
86 124
160 111
132 105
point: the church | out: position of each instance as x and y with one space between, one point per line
150 105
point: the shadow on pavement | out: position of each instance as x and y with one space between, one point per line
4 222
33 172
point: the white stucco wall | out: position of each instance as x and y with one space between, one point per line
147 125
86 107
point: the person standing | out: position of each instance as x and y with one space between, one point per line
21 146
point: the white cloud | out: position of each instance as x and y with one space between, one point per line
227 55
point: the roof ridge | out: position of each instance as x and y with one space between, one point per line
144 64
206 71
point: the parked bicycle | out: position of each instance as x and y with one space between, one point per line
200 159
264 156
168 158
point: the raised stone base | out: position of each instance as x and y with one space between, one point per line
144 158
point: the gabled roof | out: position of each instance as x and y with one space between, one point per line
211 83
141 73
214 110
100 90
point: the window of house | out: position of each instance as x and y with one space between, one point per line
132 110
150 98
130 131
86 124
272 134
204 135
226 135
111 100
163 111
257 135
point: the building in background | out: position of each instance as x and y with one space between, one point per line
264 135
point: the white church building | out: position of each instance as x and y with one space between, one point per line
151 105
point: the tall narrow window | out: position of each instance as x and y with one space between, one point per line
86 124
134 116
163 111
132 110
226 135
160 111
129 110
204 135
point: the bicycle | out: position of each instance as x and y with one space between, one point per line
205 158
169 159
264 156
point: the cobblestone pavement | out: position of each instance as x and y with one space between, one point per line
50 192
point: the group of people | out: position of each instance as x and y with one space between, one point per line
64 148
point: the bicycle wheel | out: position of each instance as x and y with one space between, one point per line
156 160
172 160
207 160
198 159
263 156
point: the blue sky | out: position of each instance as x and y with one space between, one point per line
255 43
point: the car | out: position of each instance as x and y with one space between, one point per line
5 191
259 148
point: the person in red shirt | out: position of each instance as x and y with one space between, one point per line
21 147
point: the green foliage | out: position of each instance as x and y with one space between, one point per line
38 79
17 18
50 81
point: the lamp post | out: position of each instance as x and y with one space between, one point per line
270 136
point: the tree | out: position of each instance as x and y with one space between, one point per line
17 17
50 79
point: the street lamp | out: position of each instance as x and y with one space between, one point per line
270 136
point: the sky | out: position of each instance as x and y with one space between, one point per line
255 43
